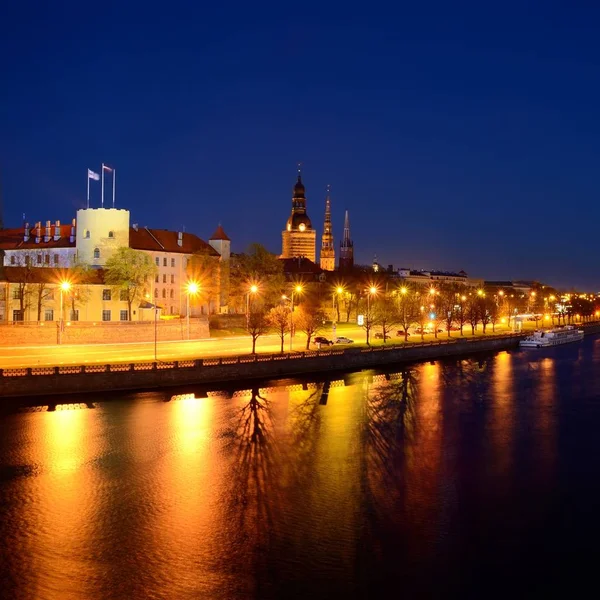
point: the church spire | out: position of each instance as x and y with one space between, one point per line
346 246
327 261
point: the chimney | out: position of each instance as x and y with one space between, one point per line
72 236
26 235
180 238
57 231
135 226
48 232
38 232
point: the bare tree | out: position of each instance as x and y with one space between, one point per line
408 310
385 315
472 314
309 319
257 325
279 319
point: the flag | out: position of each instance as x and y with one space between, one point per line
107 168
92 175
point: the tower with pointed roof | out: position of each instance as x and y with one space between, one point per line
299 238
346 247
327 259
220 241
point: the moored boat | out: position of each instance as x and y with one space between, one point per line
552 337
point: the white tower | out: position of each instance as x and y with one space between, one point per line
100 231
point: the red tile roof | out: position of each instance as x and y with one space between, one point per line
220 234
12 239
161 240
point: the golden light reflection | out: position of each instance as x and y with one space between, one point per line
502 413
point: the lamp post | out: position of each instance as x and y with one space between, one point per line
191 288
65 286
339 291
252 290
297 289
370 292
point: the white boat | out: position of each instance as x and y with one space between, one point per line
552 337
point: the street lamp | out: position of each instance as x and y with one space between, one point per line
372 291
253 289
298 289
65 286
192 288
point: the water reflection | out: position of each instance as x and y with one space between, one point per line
314 489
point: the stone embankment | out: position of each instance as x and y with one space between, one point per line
195 374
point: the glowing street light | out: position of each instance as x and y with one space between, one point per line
65 286
191 289
372 291
298 289
253 289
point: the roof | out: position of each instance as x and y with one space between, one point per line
162 240
50 275
12 239
220 234
300 265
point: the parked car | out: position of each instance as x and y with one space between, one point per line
378 336
323 341
344 340
400 333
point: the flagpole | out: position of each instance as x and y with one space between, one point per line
114 175
88 185
102 185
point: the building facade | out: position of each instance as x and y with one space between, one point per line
299 238
89 241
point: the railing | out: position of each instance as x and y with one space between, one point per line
244 359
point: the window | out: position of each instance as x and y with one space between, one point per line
171 310
164 294
106 315
111 234
172 294
47 259
56 259
16 294
123 296
157 261
96 252
39 259
164 278
156 293
48 315
165 261
49 294
172 278
12 260
86 234
75 315
172 262
27 257
17 316
156 279
124 315
106 295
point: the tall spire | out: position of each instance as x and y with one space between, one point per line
327 261
346 246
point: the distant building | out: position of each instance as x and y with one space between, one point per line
299 238
89 240
327 259
302 269
346 247
423 277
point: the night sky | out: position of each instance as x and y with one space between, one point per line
458 135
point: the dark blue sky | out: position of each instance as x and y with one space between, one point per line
458 135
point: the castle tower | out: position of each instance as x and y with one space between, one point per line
327 249
100 231
299 238
346 247
220 241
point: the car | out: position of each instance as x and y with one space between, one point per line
344 340
400 333
323 341
378 336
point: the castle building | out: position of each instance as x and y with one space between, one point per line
346 247
89 241
327 260
299 238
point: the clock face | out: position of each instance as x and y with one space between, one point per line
302 227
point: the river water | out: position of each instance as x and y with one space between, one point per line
472 479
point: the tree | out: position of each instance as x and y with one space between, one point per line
204 269
25 275
257 266
308 319
483 306
257 325
461 315
279 319
385 315
127 270
408 309
494 314
472 314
